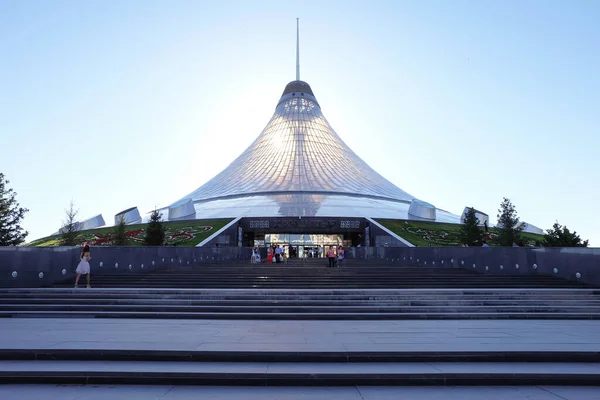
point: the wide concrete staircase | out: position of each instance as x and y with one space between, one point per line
300 304
307 293
300 368
314 274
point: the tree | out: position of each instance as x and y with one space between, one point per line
155 230
508 224
560 236
11 232
120 237
470 232
70 227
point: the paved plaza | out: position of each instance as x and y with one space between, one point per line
299 336
116 392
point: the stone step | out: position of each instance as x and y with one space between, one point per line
323 278
314 304
306 309
302 303
296 302
302 293
303 290
303 300
371 392
339 279
302 356
262 373
313 285
362 270
258 296
327 272
308 283
551 315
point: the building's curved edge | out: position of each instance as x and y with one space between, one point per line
295 205
296 192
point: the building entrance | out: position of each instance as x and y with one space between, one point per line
303 245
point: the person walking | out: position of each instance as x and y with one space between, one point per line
331 256
257 256
83 268
340 256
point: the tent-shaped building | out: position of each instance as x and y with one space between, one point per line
299 167
299 177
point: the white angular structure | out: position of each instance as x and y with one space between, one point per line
92 223
481 216
528 228
421 210
182 210
131 216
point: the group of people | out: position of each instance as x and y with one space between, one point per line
277 254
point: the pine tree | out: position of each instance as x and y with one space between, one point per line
560 236
11 232
470 232
508 224
120 237
155 230
70 227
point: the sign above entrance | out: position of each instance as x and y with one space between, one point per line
303 225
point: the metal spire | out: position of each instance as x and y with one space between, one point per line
297 49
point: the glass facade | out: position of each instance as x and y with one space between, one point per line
299 166
302 245
298 151
304 239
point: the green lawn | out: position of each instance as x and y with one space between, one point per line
181 233
435 234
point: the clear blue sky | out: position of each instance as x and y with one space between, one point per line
136 103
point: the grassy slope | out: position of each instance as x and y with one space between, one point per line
422 233
182 233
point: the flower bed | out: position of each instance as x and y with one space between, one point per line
184 233
436 234
136 236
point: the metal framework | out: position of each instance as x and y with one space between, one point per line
299 166
298 152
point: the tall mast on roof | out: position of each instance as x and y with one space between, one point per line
297 49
